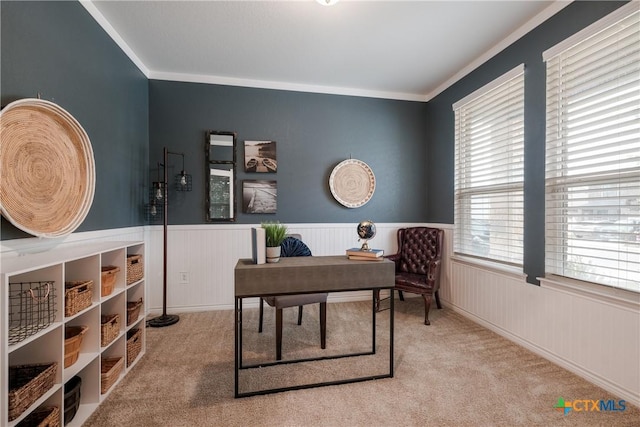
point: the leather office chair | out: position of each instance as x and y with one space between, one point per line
293 246
418 263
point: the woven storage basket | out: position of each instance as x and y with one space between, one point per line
47 168
134 345
72 395
110 369
133 311
72 342
47 416
77 296
108 279
32 308
27 383
135 268
109 328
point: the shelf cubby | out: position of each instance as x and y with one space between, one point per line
61 265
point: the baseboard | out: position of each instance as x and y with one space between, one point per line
593 378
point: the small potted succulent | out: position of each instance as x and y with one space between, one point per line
275 233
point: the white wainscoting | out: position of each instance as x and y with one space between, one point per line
208 254
598 339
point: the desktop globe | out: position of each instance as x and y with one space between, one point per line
366 232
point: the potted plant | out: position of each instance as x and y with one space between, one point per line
274 235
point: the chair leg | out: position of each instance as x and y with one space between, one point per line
401 295
323 325
438 300
278 334
427 306
376 296
299 315
261 313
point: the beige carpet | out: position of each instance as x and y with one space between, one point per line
452 373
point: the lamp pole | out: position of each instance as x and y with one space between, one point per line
165 319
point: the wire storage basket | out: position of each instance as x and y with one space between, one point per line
32 308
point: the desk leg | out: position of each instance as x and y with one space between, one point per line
373 322
238 343
391 327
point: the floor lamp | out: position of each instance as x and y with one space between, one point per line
160 197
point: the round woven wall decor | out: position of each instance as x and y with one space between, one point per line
352 183
47 169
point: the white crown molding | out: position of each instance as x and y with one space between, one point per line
102 21
264 84
556 7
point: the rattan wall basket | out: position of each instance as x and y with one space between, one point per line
47 168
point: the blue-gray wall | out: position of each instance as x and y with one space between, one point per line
313 133
527 50
58 50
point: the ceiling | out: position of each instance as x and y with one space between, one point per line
409 50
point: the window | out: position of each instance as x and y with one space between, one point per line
593 153
489 170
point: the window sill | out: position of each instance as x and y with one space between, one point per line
495 267
601 293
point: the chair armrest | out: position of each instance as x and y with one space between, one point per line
395 258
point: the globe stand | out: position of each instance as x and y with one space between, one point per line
366 231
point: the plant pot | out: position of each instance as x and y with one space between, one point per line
273 253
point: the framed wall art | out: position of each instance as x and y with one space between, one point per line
259 196
260 156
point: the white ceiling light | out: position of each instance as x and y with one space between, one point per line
327 2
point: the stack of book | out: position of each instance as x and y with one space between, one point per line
370 255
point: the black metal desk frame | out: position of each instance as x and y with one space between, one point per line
238 343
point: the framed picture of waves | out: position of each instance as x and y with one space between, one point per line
260 156
259 196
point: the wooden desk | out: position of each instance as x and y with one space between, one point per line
299 275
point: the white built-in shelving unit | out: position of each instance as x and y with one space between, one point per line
77 263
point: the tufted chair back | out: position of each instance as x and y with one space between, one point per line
418 246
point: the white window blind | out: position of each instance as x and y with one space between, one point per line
489 170
593 153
